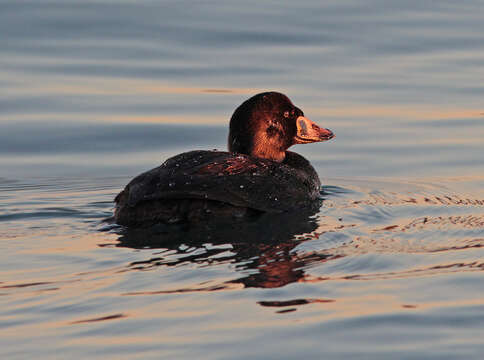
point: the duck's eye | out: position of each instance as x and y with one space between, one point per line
286 114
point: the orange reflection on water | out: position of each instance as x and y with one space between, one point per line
322 310
73 85
410 111
121 118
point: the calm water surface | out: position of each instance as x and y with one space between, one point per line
390 267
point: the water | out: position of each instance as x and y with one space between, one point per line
95 92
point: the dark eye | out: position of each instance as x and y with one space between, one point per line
286 114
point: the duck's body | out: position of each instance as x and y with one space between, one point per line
197 185
252 178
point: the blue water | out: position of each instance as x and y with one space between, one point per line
92 93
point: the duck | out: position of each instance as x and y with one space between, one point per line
256 175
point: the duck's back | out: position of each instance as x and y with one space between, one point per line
198 185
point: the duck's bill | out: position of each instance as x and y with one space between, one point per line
308 132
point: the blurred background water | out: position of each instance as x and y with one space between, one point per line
94 92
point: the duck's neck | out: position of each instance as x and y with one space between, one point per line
268 147
261 146
270 153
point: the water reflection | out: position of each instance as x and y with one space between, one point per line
262 248
365 234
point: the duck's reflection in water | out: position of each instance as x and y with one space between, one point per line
264 245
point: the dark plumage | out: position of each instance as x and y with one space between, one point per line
257 175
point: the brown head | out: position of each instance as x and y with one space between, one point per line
267 124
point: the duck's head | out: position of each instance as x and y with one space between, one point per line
267 124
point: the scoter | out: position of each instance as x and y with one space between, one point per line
257 175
